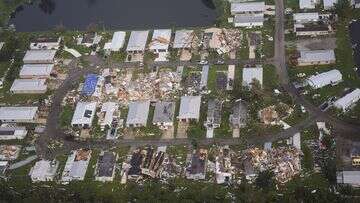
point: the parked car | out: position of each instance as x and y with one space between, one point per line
203 62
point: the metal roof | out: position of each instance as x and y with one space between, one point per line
164 112
43 169
13 131
160 39
29 85
325 78
249 74
138 112
316 55
329 4
18 113
348 100
36 70
303 4
84 113
34 56
247 7
204 76
190 107
117 41
249 18
349 177
137 41
183 39
314 16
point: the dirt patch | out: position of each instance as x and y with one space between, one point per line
316 44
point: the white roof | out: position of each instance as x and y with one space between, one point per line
39 55
36 70
348 100
306 16
1 45
28 84
317 55
109 108
349 177
137 41
43 169
249 18
190 107
249 74
117 41
204 76
13 131
296 139
78 169
138 112
325 78
247 7
183 39
310 4
160 39
18 113
329 4
84 113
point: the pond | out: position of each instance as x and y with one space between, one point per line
45 15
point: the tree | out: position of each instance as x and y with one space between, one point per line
265 180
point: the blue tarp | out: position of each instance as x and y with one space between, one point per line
90 84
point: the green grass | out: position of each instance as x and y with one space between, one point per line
294 4
66 116
179 152
268 30
243 51
296 117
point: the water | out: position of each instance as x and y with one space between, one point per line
355 40
113 14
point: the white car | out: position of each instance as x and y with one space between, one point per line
203 62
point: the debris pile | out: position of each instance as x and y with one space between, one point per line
153 86
196 165
231 39
284 162
144 162
9 152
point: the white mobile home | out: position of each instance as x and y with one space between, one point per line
36 71
331 77
84 114
348 100
28 86
12 132
189 108
18 114
137 41
247 7
39 56
316 57
44 170
249 20
117 41
138 113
